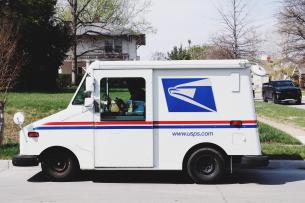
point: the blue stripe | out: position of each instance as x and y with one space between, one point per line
141 127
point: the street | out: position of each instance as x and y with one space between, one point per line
281 181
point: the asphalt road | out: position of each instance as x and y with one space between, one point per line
282 181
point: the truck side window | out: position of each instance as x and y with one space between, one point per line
122 99
80 96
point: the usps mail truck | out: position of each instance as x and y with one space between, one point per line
196 116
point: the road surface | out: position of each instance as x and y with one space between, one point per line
282 181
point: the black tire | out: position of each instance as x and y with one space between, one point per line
264 98
299 102
274 99
206 166
60 166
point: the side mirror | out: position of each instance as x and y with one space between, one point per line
89 84
89 102
18 118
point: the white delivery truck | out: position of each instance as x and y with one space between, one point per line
196 116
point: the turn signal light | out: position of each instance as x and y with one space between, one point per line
33 134
236 123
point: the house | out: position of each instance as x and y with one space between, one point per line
96 42
298 75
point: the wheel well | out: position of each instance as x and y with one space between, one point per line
56 149
200 146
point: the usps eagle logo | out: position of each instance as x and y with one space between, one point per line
189 95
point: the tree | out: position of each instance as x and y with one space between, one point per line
179 54
158 56
11 61
43 39
198 52
292 27
238 38
95 16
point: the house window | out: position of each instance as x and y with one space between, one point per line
118 45
122 99
109 46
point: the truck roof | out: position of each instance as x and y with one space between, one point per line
219 64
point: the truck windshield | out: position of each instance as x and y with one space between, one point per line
81 95
283 84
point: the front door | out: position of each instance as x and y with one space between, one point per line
123 121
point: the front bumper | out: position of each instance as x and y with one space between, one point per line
25 160
254 161
288 96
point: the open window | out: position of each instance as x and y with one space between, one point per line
122 99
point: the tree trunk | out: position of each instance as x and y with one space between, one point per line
74 64
1 122
74 46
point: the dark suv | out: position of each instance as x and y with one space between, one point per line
281 91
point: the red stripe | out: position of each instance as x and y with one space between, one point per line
124 123
202 122
69 123
146 122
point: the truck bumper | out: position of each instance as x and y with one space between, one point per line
254 161
25 160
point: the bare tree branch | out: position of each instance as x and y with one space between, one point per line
238 39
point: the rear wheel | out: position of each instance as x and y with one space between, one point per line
206 165
265 98
274 99
299 101
60 165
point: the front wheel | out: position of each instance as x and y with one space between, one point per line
206 165
275 100
59 166
265 98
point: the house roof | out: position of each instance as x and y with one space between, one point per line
101 29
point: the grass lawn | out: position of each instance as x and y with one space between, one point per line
279 145
281 113
8 150
35 106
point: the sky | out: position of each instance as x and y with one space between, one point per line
177 21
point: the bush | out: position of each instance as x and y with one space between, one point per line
63 81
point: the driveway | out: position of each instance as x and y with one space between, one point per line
282 181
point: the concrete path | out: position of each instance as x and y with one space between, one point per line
291 130
282 181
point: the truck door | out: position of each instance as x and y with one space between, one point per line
124 120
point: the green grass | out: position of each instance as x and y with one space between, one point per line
7 151
281 113
35 106
278 151
280 145
272 135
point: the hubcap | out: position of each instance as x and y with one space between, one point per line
59 164
206 165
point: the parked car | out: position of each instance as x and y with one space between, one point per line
281 91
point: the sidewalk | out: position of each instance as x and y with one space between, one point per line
5 165
291 130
